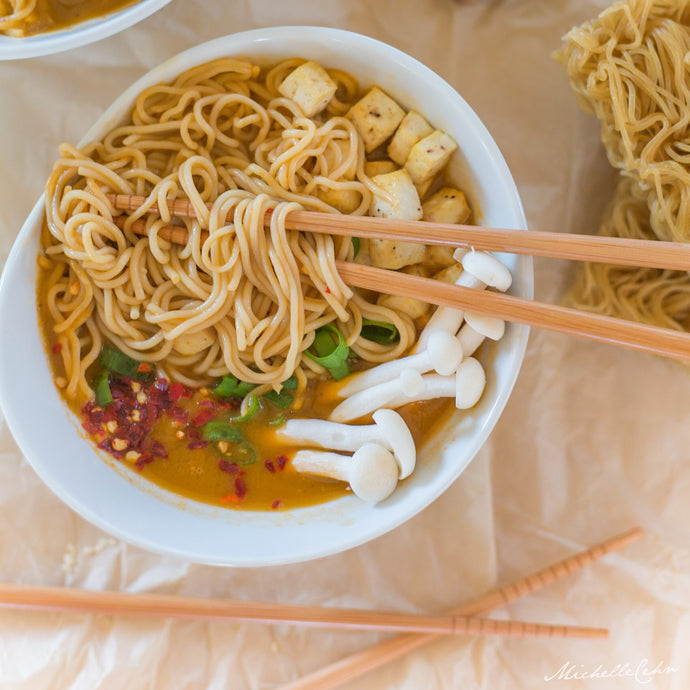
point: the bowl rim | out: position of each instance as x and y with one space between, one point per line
311 520
80 34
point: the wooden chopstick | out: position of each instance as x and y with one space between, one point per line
664 342
359 663
19 596
614 250
606 329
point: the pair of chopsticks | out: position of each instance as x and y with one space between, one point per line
650 253
461 621
359 663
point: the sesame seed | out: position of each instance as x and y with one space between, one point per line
132 456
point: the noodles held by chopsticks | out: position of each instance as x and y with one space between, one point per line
246 300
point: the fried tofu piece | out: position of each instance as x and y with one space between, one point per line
310 87
414 308
447 205
376 116
404 201
345 200
395 254
429 155
412 129
374 168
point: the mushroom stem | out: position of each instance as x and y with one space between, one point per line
443 354
389 430
466 386
372 472
479 270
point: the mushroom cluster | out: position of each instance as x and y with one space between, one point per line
441 366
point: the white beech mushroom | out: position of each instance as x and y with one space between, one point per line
443 354
372 471
406 385
389 430
476 329
466 386
480 269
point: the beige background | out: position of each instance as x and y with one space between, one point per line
594 440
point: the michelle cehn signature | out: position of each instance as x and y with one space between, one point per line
641 672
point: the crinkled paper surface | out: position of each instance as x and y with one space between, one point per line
593 441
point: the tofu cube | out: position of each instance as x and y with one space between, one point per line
414 308
412 129
448 205
376 116
395 254
429 155
374 168
401 199
439 256
449 274
345 200
310 87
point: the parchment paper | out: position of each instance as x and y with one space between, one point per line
593 441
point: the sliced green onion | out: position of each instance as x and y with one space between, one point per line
122 364
330 351
379 332
284 399
227 430
231 387
221 431
101 388
241 453
355 245
277 421
253 408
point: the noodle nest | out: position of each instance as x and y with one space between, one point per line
631 68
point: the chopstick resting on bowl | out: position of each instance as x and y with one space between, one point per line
27 597
633 335
614 250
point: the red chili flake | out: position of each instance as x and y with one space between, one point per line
144 459
229 467
275 504
240 488
144 368
175 391
197 445
282 461
194 434
158 450
229 498
57 348
268 464
327 290
179 414
201 417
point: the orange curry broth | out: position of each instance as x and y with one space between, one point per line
195 473
51 15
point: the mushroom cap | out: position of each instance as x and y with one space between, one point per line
393 428
489 326
488 269
470 380
373 473
445 352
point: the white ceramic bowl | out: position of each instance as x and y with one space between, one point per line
80 34
125 505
